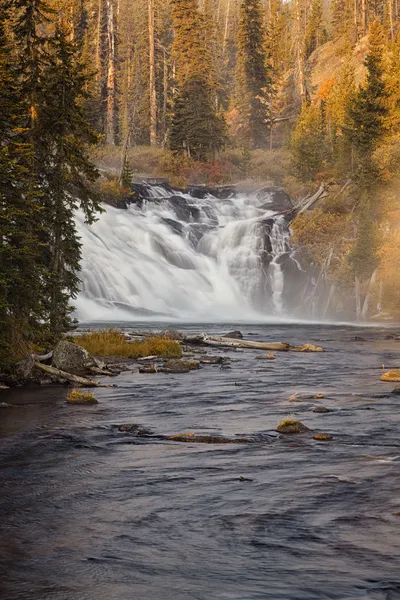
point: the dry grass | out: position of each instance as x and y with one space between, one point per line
76 397
111 342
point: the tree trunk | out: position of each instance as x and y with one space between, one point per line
111 59
371 284
226 29
358 297
84 381
152 77
299 54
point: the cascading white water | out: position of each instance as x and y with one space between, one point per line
178 257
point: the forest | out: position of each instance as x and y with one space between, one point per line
303 93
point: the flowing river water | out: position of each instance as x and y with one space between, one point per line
90 513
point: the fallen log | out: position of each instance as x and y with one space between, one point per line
212 340
84 381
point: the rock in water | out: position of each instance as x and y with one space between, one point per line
234 335
291 426
306 348
321 409
23 370
391 375
323 437
396 391
180 366
72 358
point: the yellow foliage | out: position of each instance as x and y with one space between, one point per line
319 231
112 342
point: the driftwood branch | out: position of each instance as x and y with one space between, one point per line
212 340
84 381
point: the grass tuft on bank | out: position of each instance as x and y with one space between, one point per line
112 342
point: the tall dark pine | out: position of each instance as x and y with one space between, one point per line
20 269
254 77
68 173
368 111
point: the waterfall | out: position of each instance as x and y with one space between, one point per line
200 256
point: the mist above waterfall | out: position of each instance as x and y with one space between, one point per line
173 255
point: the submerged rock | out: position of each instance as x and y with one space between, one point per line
72 358
206 439
391 375
138 430
291 426
323 437
396 391
212 360
321 409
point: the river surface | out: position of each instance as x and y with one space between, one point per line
89 513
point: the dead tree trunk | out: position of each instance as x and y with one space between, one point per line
152 77
110 88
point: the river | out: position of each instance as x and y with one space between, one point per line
89 513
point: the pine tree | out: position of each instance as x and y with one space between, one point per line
196 128
68 173
308 142
254 76
315 33
368 110
363 257
20 268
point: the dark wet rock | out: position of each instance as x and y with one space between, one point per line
172 334
274 199
183 210
206 439
291 426
180 366
225 367
396 391
72 358
175 226
234 335
5 405
212 360
359 339
323 437
241 478
221 192
321 409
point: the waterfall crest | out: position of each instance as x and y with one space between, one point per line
190 256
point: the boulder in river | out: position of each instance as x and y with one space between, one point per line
148 369
321 409
234 335
22 370
76 397
291 426
391 375
212 360
180 366
396 391
72 358
306 348
137 430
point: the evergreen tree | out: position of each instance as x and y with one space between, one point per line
308 142
20 268
196 129
363 257
254 74
67 170
368 110
315 33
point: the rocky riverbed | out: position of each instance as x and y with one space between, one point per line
141 495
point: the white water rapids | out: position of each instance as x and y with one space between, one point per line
172 255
